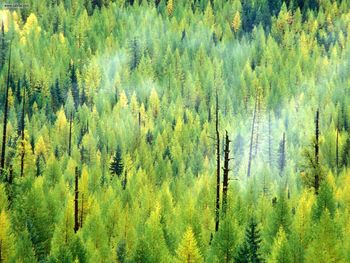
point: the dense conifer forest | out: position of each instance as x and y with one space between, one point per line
175 131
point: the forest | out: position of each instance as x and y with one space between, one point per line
180 131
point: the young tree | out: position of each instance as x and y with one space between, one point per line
280 249
187 250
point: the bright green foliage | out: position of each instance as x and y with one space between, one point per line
188 251
138 80
280 251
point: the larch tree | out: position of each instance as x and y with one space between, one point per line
280 249
6 238
187 250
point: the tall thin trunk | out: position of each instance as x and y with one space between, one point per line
257 122
317 133
76 197
82 210
282 160
270 141
337 148
10 177
252 136
70 135
217 207
22 133
3 150
226 171
139 115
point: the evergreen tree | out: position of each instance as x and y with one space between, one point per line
249 251
116 166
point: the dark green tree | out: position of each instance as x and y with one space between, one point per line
116 166
249 251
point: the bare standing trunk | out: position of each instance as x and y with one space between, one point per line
76 197
270 141
252 136
282 153
70 135
317 133
22 133
226 171
217 207
337 148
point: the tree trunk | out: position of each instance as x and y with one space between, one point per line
282 160
3 150
217 207
70 135
82 210
270 141
252 136
337 148
226 171
317 133
76 197
22 133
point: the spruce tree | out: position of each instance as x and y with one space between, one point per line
249 251
116 166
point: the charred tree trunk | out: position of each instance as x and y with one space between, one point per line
76 199
22 133
217 207
317 133
70 135
3 150
225 175
252 137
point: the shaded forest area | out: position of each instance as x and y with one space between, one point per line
175 131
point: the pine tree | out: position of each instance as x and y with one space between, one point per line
249 251
188 251
116 167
